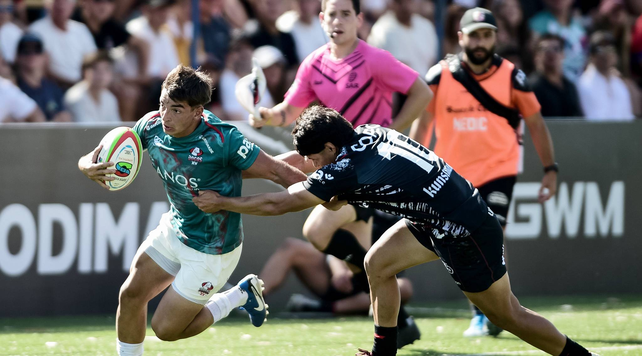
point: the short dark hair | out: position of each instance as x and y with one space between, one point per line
318 125
550 36
356 4
93 58
188 85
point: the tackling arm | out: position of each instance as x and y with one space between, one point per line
295 198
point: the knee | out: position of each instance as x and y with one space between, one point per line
506 318
316 235
131 295
163 332
376 266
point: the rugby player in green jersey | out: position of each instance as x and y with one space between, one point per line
191 251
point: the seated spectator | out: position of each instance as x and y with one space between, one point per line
263 31
214 69
613 17
239 64
16 106
10 33
98 16
66 41
557 95
400 30
603 94
90 100
150 27
558 18
272 62
31 67
215 30
304 26
180 26
513 31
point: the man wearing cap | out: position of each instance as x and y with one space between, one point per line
31 70
480 101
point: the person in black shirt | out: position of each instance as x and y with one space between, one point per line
557 95
444 218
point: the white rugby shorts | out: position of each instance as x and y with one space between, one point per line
198 275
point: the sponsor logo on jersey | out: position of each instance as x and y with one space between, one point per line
245 148
123 169
206 288
153 123
196 151
178 179
352 76
439 182
158 141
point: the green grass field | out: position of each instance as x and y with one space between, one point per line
610 326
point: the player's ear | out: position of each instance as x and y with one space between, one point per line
460 36
331 147
359 19
198 111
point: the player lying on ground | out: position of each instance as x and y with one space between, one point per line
444 218
191 251
327 277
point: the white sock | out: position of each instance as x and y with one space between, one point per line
221 304
125 349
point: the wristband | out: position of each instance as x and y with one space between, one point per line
552 167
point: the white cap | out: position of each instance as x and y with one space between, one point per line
267 56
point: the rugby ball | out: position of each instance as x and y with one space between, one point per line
123 147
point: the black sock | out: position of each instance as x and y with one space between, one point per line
476 311
402 318
345 246
385 341
572 348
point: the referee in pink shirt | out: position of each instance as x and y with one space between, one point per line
357 80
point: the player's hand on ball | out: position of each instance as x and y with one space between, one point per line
335 204
208 201
96 171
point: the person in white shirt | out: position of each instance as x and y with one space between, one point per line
90 100
603 94
66 41
304 25
150 27
411 38
16 106
10 33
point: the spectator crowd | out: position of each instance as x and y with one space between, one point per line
105 60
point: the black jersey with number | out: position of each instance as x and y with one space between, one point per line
388 171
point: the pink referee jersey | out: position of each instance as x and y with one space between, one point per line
359 86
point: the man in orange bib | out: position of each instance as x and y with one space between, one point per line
479 102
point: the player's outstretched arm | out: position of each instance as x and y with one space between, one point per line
544 147
419 95
295 198
281 114
96 171
420 129
278 171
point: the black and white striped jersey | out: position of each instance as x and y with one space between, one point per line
386 170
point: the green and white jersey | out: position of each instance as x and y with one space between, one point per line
210 158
